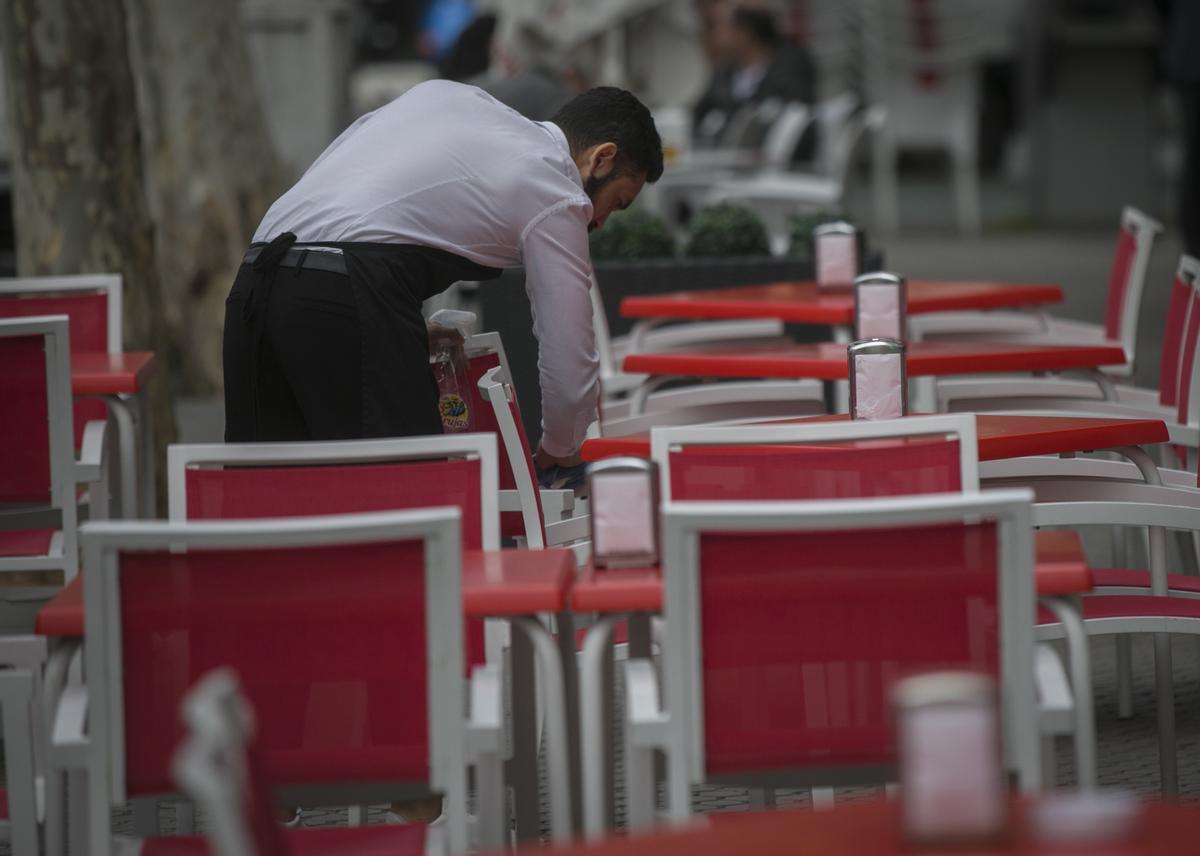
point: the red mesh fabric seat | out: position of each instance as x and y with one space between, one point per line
293 490
818 471
25 542
1131 578
805 634
331 705
88 314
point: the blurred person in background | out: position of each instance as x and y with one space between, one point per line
1183 68
532 77
754 68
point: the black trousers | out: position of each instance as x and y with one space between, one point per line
310 354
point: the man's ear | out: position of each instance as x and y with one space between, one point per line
602 159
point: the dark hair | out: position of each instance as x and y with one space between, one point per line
610 115
758 23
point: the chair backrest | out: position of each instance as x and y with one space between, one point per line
305 611
788 623
1187 407
219 767
221 481
1127 277
91 301
499 412
922 59
784 135
1181 327
36 448
817 459
604 347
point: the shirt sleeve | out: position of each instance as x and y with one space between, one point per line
558 277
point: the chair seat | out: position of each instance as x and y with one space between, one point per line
1140 606
356 840
1141 579
25 542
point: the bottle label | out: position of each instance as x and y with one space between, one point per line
454 412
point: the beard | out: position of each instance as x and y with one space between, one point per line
591 186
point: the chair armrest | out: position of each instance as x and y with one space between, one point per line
485 724
90 466
1056 703
38 517
23 652
566 531
68 737
644 715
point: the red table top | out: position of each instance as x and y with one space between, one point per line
111 374
1062 569
827 360
495 583
872 828
1000 436
804 303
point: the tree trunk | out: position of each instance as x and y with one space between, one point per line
77 162
211 170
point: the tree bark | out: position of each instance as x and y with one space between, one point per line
211 170
77 162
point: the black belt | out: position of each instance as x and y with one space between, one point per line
303 257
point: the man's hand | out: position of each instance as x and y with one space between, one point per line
439 335
543 460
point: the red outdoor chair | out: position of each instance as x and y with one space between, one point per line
1127 276
39 472
301 609
787 623
1081 397
93 304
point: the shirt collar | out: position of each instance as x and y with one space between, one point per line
571 169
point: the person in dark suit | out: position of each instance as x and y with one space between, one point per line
758 74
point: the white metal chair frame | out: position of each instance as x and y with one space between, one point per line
675 724
21 661
89 730
126 413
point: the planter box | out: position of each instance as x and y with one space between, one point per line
504 307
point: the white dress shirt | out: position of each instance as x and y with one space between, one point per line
447 166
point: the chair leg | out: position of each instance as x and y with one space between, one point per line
966 193
639 785
185 817
490 801
1165 697
1049 762
1124 644
762 798
822 799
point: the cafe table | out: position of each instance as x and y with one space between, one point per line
806 303
828 361
122 381
516 585
874 827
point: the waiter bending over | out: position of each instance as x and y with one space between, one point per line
324 337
